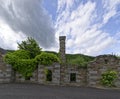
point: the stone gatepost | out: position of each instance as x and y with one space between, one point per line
56 74
41 75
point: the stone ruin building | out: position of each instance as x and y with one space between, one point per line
65 74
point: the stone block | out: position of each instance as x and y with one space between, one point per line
92 83
7 80
93 72
1 80
57 65
40 75
7 70
22 79
7 65
119 68
117 83
78 80
32 79
93 77
1 75
8 75
40 81
57 71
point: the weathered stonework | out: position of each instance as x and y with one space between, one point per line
101 64
63 74
62 49
80 76
55 68
5 71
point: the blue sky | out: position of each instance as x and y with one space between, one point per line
101 25
92 27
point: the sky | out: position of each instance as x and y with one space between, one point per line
91 27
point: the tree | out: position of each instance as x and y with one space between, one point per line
31 46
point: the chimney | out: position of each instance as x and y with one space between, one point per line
62 49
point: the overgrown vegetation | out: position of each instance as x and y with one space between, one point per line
108 78
48 74
29 55
26 59
21 62
79 59
76 59
47 58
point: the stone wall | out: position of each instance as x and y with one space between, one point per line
62 73
5 71
80 75
84 77
101 64
33 79
55 68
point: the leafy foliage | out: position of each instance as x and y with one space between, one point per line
22 54
21 62
48 74
108 78
46 58
31 46
10 58
25 67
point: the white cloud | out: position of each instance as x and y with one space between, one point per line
8 38
110 7
83 35
27 17
64 3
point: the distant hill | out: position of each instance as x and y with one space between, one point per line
77 59
3 51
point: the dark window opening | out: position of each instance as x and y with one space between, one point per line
106 61
48 75
27 78
73 77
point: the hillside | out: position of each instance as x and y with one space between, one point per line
3 51
72 59
77 59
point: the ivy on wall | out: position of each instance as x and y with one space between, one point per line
21 63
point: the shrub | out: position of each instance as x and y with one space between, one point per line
108 78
